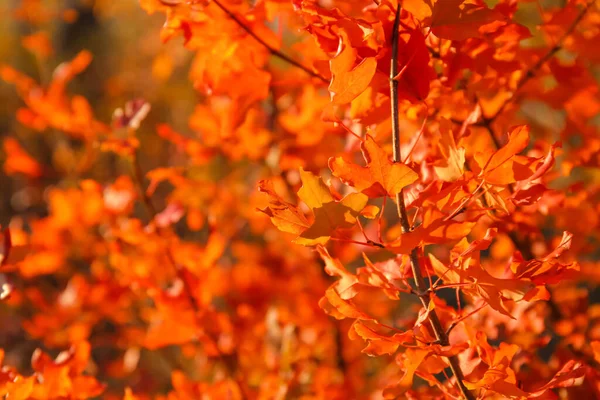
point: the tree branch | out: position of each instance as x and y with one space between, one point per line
420 283
524 245
533 70
271 50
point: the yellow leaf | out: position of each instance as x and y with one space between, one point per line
313 191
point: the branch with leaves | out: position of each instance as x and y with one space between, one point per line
180 279
420 284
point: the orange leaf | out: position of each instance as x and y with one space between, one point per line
330 215
333 216
566 377
39 44
5 246
378 344
18 161
285 216
596 349
499 168
412 359
349 81
333 267
344 308
380 177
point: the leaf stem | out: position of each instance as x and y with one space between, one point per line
420 283
271 50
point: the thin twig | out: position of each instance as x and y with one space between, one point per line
369 243
523 245
421 285
272 50
455 323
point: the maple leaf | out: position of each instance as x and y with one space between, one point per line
339 308
415 74
385 275
454 19
466 268
528 191
380 177
412 359
333 267
547 270
18 161
377 343
285 216
234 292
436 226
565 377
62 375
595 345
349 81
39 44
501 168
5 246
330 215
498 377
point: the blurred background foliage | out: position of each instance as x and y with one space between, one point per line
129 62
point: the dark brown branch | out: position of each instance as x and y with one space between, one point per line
272 50
420 283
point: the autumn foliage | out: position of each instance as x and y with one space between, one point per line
271 199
